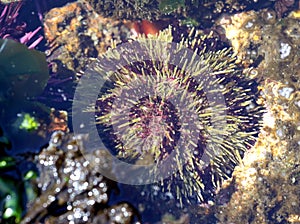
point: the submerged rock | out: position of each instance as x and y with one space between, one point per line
71 188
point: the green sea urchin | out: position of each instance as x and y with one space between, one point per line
185 118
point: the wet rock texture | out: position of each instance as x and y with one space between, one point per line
77 35
267 184
72 189
118 9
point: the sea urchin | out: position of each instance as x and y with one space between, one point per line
183 114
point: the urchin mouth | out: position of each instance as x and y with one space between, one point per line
154 124
149 107
155 117
141 125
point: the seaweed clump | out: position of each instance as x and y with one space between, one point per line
23 76
16 183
